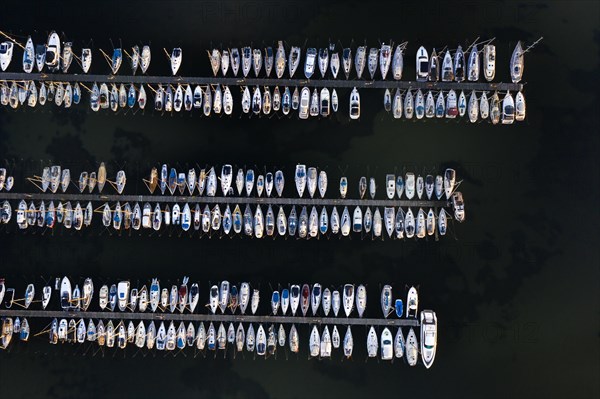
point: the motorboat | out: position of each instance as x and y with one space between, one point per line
354 104
324 61
508 109
412 302
458 206
53 52
489 62
422 67
123 295
310 62
428 337
347 61
520 106
65 293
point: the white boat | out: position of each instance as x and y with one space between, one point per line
372 62
459 65
489 62
280 60
304 103
459 206
347 61
519 107
256 61
310 62
53 52
447 68
508 109
67 56
412 302
145 58
354 104
28 55
409 185
300 179
473 107
123 295
484 106
361 300
412 348
334 64
315 298
399 344
434 67
409 105
261 341
420 227
254 301
294 61
46 294
473 65
294 298
323 61
449 182
314 342
428 337
517 63
65 293
225 60
372 343
422 64
246 60
235 60
360 60
387 346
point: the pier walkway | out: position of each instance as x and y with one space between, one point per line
224 200
393 321
240 81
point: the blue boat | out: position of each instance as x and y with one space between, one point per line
117 58
399 308
275 302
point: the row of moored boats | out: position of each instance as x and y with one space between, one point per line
171 336
226 298
454 65
306 222
407 104
419 105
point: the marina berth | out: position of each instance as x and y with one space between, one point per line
200 328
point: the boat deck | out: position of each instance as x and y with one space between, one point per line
233 318
240 81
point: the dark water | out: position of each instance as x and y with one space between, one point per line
516 293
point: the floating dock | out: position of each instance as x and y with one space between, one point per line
234 81
306 201
229 318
